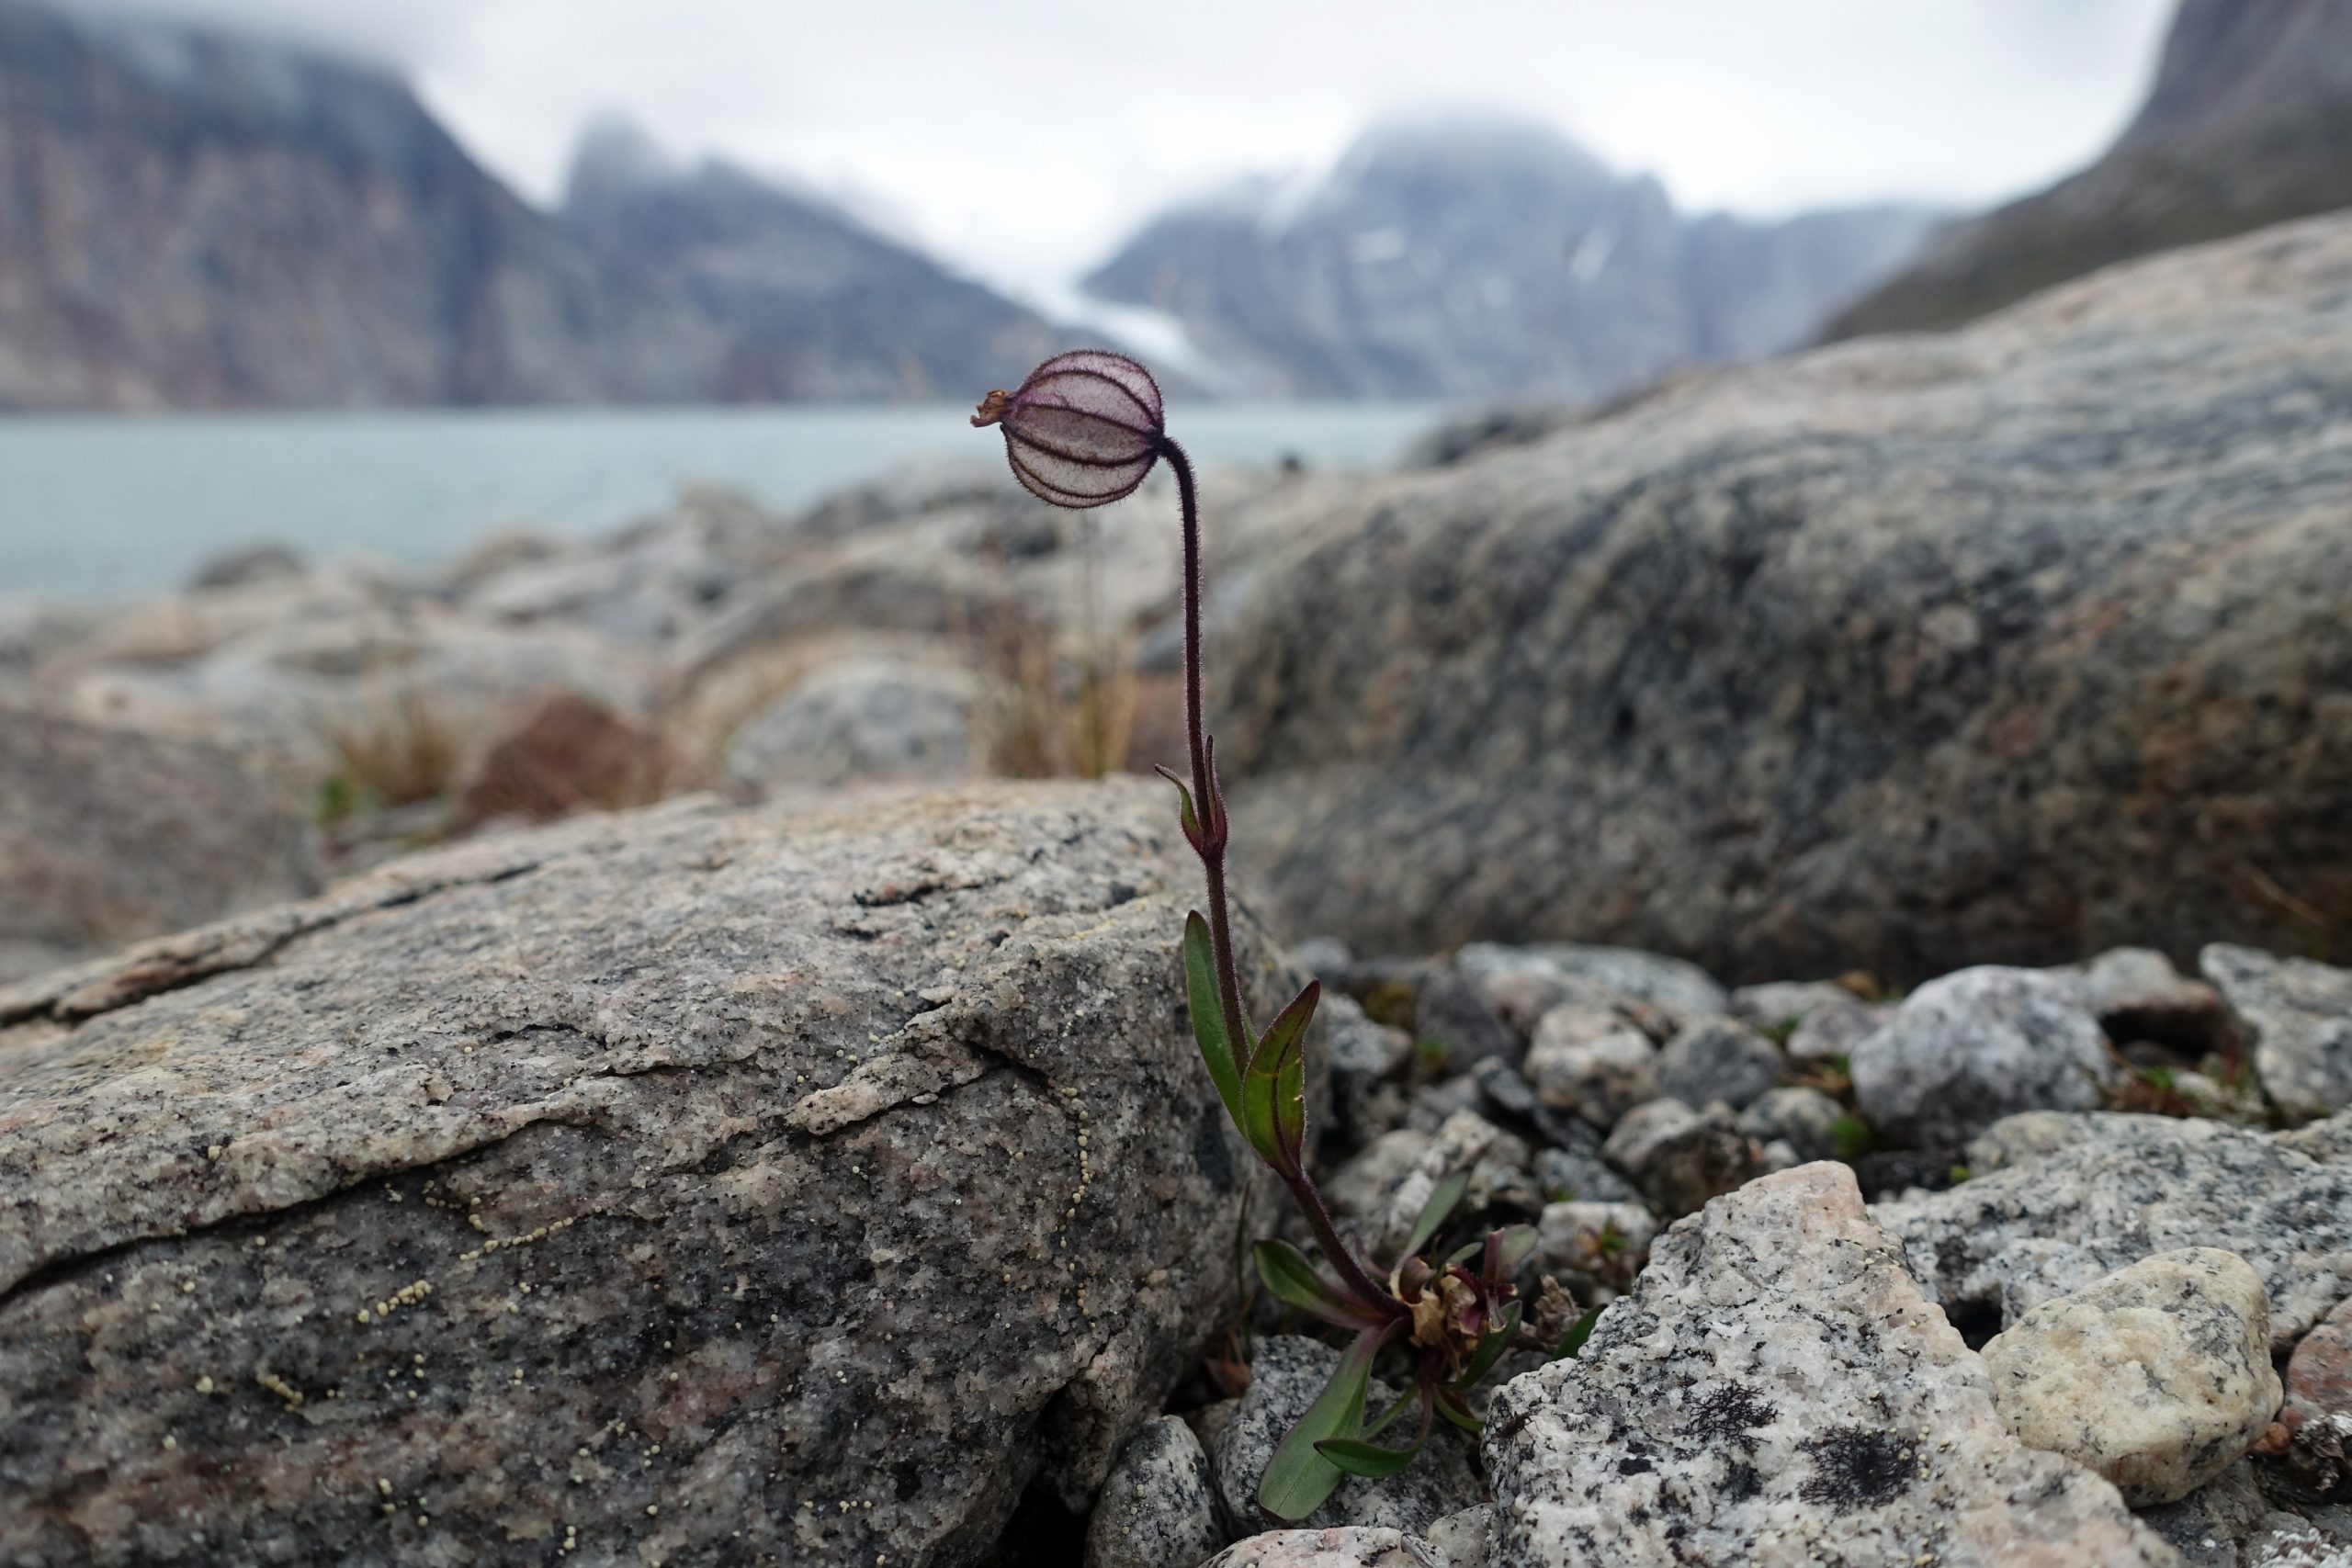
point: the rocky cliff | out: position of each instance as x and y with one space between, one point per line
194 220
812 304
1477 260
2249 122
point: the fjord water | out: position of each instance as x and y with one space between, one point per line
101 507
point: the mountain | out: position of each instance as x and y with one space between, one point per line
195 219
1481 259
2249 123
812 304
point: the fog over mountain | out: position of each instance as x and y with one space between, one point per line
812 304
200 219
1480 258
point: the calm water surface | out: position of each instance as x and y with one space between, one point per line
107 506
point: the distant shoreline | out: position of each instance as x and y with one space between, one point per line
103 507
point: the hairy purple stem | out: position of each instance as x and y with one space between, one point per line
1209 805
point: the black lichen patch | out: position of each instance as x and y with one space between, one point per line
1727 1413
1858 1467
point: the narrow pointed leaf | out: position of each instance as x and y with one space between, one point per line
1185 815
1573 1340
1259 1083
1290 1103
1369 1459
1517 1247
1296 1282
1450 1405
1273 1101
1403 1403
1208 1015
1433 1214
1490 1350
1297 1478
1289 1028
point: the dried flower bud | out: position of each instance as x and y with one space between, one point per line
1084 428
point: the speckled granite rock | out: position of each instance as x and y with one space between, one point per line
2319 1374
2297 1016
870 718
1966 1049
1347 1545
1158 1507
704 1182
1680 1157
1776 1391
1286 1372
1712 1059
1804 1118
2136 994
2158 1377
1782 1004
1674 984
2105 1190
2003 647
1591 1062
108 836
2229 1523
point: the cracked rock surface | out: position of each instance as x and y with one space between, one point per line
1775 1391
703 1185
2067 1199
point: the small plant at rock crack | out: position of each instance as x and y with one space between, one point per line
1083 431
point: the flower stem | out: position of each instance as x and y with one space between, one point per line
1209 805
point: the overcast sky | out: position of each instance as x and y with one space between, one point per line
1023 137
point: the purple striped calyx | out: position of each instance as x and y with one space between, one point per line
1083 430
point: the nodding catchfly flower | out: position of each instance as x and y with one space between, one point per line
1085 430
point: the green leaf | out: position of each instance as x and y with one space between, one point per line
1450 1405
1573 1340
1288 1031
1185 814
1298 1478
1853 1137
1290 1103
1295 1281
1490 1350
1404 1403
1442 1203
1519 1245
1274 1099
1369 1459
1209 1014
